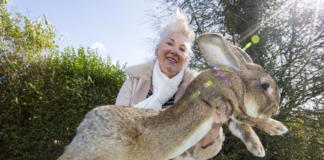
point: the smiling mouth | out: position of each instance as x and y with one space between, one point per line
172 60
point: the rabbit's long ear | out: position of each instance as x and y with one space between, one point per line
247 58
219 52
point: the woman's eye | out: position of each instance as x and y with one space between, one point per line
169 43
183 50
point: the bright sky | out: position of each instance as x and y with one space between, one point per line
115 27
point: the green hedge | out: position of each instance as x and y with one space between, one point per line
44 97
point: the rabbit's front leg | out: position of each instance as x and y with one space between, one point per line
268 125
248 136
272 127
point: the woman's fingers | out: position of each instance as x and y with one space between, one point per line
229 108
219 117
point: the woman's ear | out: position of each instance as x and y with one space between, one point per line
156 50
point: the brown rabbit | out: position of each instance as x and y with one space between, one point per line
122 133
257 96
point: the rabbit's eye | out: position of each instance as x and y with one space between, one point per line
265 86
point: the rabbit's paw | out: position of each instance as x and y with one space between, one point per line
273 127
248 136
255 147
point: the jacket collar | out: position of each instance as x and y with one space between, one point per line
145 70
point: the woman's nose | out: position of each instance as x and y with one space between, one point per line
175 51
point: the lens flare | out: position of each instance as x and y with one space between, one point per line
185 103
255 39
247 46
207 84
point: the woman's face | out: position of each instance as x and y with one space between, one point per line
172 54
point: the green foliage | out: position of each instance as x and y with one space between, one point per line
43 99
44 93
19 34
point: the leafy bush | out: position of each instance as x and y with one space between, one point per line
45 94
43 99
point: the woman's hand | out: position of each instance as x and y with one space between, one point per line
219 120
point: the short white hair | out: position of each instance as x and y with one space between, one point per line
178 23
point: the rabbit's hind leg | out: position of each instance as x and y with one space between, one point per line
248 136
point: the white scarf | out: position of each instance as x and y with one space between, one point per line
163 88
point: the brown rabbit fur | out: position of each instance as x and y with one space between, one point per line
121 133
260 94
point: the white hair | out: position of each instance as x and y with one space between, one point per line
178 23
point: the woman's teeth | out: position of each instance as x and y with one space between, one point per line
171 60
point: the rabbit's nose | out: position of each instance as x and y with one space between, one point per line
277 112
269 111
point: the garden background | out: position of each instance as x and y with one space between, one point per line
45 92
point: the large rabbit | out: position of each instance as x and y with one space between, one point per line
122 133
256 92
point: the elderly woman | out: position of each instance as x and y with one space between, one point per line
159 83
